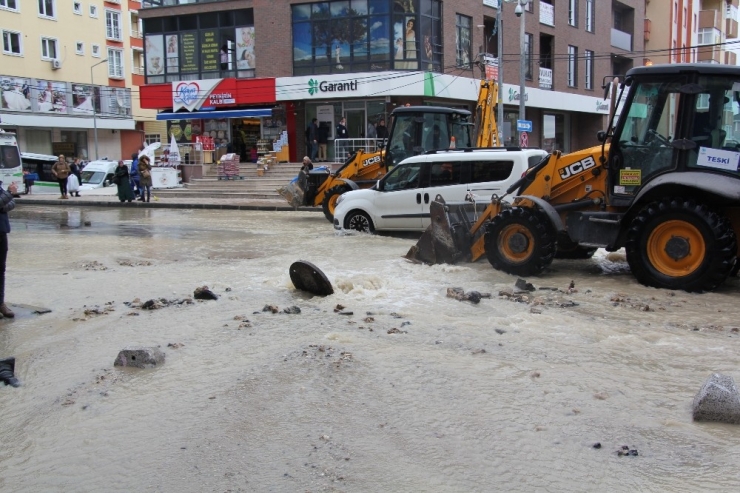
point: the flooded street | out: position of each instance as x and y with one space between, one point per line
461 397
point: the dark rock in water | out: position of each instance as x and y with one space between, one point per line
523 285
87 223
717 400
292 310
140 357
597 445
345 312
460 295
308 277
151 305
473 296
203 293
270 308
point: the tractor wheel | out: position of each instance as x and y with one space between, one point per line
679 243
518 241
330 200
359 221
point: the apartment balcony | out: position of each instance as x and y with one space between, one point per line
730 58
708 54
135 33
710 19
621 40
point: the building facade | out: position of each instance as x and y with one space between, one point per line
276 65
67 71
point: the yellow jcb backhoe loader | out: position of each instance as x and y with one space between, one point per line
409 136
664 184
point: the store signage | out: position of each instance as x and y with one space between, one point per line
514 95
193 94
602 105
545 78
315 86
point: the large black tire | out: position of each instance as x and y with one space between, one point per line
519 241
357 220
330 200
678 243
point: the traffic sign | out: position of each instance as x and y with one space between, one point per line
523 126
523 140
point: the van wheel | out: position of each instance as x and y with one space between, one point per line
359 221
329 204
518 241
679 243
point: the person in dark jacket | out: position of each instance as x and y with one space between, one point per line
135 177
323 141
342 129
7 204
76 169
121 178
381 129
312 136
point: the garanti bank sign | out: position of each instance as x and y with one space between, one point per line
374 85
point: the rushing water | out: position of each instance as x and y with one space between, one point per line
495 396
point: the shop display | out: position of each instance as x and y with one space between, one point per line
228 167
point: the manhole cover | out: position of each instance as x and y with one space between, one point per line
308 277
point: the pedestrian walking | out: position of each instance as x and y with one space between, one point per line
61 171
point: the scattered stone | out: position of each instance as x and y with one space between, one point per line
270 308
228 290
151 305
479 351
508 292
625 451
345 312
534 374
717 400
131 263
203 293
140 357
368 319
536 311
94 265
542 288
396 331
523 285
460 295
96 310
87 223
500 331
292 310
307 277
572 285
175 345
338 308
396 315
596 445
404 324
602 396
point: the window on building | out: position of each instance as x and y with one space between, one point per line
113 25
95 50
572 66
590 16
372 35
9 4
48 48
573 13
589 57
462 40
530 6
152 138
708 36
115 63
12 43
685 14
94 11
80 48
77 8
47 8
528 40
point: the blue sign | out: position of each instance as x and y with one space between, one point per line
523 126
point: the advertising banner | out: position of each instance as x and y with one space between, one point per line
15 94
155 56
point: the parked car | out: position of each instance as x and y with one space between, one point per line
400 200
98 174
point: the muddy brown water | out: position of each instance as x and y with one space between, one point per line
460 398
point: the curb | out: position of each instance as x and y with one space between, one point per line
161 205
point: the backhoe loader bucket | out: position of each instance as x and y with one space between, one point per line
295 191
447 240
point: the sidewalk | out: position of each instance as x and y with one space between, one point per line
93 199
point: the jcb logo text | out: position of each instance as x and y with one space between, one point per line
577 167
372 160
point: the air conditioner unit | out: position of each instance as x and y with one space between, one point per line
56 64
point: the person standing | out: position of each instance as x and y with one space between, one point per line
313 138
371 131
61 171
323 140
145 179
121 177
381 130
135 177
341 148
342 129
76 169
7 204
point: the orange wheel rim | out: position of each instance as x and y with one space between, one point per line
676 248
516 243
333 203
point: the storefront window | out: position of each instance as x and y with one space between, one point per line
202 46
554 134
79 139
366 35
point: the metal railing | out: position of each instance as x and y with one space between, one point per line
343 148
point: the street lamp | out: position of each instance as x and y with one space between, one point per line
95 120
519 11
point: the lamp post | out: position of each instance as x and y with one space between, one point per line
519 11
95 119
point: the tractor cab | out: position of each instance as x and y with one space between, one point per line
418 129
676 118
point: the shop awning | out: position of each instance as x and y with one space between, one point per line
255 112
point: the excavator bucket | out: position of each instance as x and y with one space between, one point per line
294 191
448 239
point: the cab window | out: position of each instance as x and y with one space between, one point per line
9 157
404 177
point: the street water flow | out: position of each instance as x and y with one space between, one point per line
412 391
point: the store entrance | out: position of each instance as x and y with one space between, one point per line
356 126
245 134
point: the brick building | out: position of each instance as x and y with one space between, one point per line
275 65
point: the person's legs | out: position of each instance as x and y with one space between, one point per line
4 310
62 187
7 367
148 193
314 151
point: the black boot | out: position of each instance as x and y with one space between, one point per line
7 367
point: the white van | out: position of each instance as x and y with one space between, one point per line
400 200
98 174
